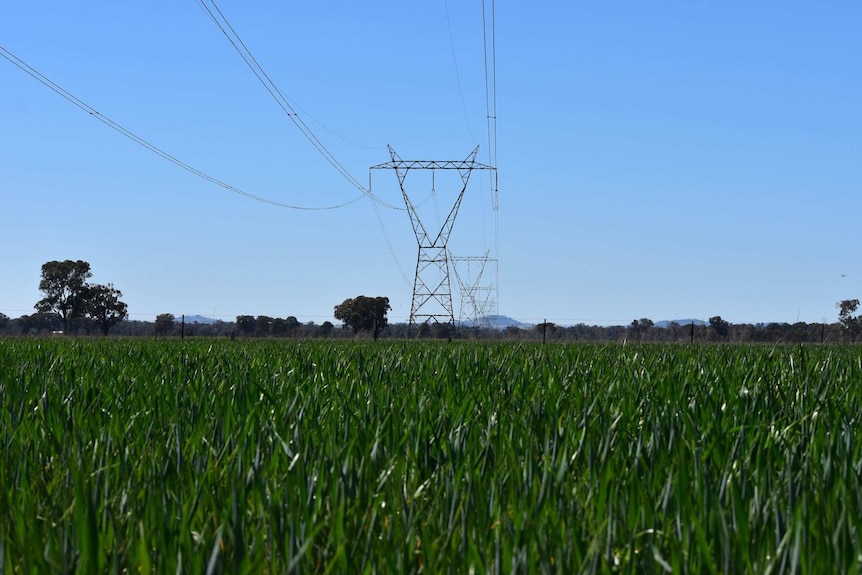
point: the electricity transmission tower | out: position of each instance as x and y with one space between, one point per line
432 288
477 299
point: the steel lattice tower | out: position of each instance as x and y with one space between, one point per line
477 299
432 288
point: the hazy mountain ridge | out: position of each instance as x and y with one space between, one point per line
496 322
681 322
195 319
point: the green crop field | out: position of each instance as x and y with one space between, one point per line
224 456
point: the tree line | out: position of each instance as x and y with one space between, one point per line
166 325
73 305
644 330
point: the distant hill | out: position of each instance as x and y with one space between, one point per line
497 322
667 322
196 319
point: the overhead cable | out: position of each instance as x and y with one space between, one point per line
35 74
239 46
491 112
281 100
457 72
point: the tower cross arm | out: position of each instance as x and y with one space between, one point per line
398 164
432 165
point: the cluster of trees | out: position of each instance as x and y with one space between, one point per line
167 324
265 326
360 314
72 304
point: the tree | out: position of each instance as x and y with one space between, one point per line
364 313
851 322
721 327
265 325
546 328
246 324
284 326
165 323
640 326
291 323
64 285
4 319
326 328
102 305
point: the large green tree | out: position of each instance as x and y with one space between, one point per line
103 306
64 285
364 313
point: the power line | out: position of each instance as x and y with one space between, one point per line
491 112
282 101
239 46
77 102
389 244
457 72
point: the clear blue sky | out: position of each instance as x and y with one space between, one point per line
656 159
